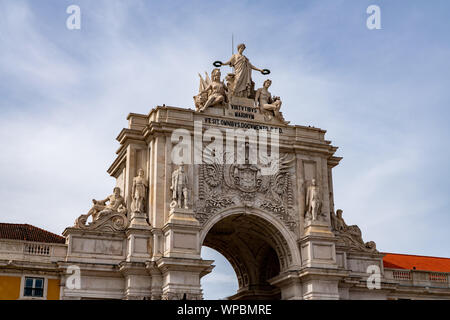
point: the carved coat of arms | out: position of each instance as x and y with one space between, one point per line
245 177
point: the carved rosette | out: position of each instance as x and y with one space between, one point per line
226 185
110 221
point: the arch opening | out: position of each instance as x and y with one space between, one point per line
255 249
222 281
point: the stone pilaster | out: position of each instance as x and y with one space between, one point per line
139 221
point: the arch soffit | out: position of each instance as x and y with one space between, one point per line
288 236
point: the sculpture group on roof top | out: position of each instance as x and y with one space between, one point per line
214 92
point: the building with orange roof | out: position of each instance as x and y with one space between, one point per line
418 263
29 259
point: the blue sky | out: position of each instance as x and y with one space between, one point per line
382 95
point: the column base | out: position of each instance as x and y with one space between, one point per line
182 277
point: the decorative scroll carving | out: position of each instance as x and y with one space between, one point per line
224 185
111 222
107 215
350 236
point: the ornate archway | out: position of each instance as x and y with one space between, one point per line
256 245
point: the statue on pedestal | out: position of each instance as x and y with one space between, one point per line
242 84
313 201
108 214
269 106
139 192
100 208
179 188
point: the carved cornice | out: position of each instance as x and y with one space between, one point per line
334 161
118 163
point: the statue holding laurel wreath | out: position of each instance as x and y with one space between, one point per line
243 86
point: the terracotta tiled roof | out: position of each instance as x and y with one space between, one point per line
409 262
28 233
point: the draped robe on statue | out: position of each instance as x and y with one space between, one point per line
243 74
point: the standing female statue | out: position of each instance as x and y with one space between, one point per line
139 192
242 73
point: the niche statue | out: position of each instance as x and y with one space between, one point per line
139 192
179 188
313 202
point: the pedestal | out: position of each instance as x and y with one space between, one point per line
318 246
181 235
139 221
182 266
320 275
182 277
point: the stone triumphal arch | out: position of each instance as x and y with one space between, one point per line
232 175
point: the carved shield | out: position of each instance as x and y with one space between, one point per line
245 178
